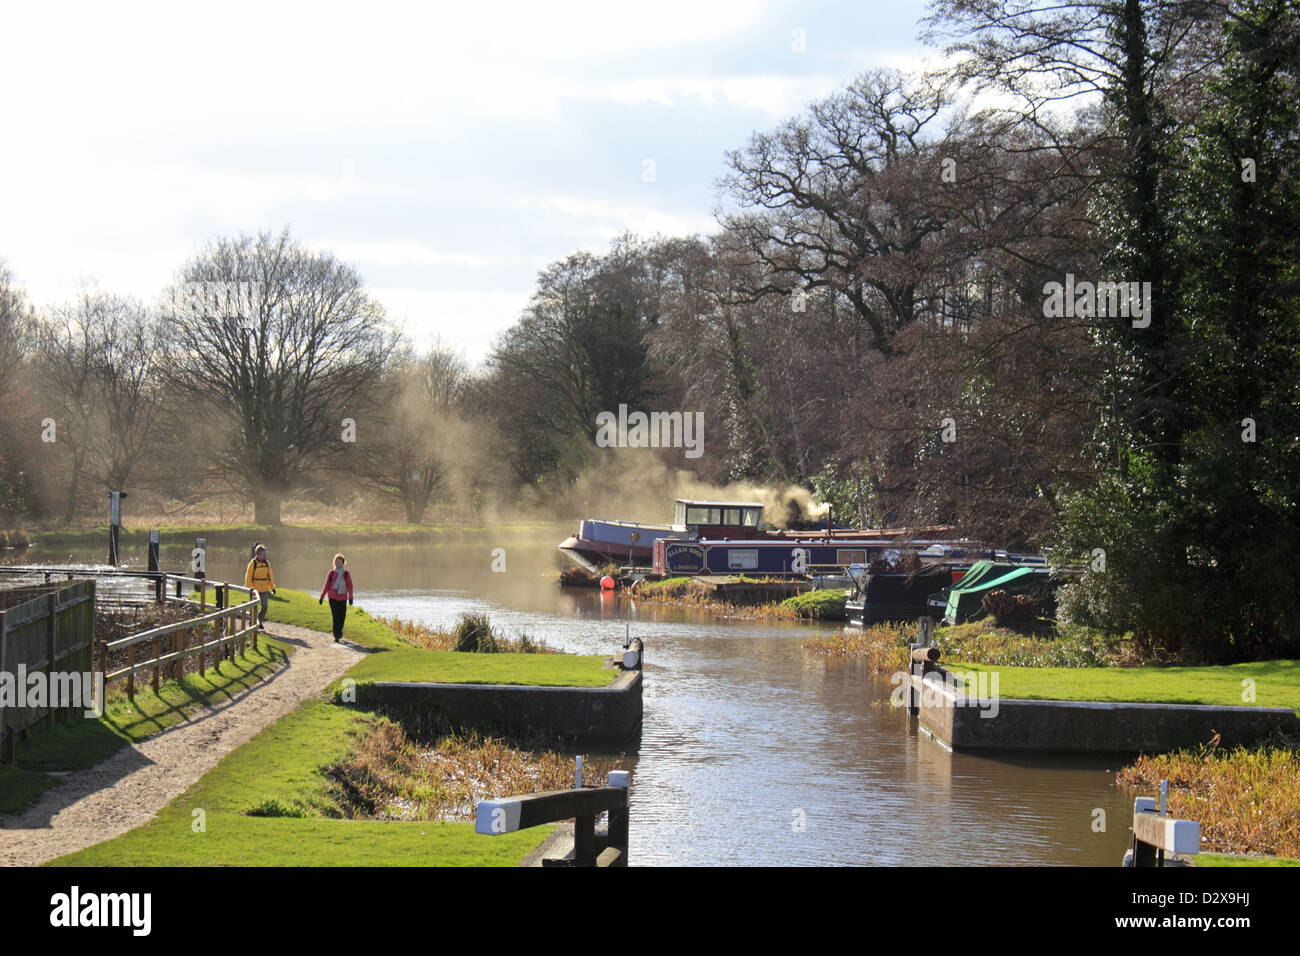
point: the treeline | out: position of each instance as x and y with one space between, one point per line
1069 327
266 371
1068 320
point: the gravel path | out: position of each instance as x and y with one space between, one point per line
128 789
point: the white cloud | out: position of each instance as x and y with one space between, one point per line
469 319
448 151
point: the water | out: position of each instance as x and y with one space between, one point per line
753 751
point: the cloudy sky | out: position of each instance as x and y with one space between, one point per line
449 152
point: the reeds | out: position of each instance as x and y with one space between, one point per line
1246 800
988 644
391 776
885 646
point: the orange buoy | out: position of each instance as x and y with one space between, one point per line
607 583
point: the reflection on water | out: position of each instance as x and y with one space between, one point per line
752 752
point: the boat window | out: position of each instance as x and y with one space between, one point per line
697 516
751 518
742 559
715 516
845 558
679 513
732 517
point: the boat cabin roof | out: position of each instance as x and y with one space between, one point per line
691 512
706 503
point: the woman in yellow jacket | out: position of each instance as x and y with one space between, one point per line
260 579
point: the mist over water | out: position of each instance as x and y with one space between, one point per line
752 751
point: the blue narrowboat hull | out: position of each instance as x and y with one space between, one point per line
679 556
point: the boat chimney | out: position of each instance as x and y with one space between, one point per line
828 519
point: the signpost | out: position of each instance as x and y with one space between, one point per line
114 523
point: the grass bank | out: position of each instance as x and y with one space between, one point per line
398 657
824 604
295 795
269 804
1224 860
1076 665
1272 683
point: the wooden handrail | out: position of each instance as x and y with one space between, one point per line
179 653
1154 835
170 657
164 629
581 804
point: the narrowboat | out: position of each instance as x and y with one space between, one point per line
730 537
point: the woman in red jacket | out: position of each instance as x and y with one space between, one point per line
338 586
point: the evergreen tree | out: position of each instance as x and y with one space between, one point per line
1198 514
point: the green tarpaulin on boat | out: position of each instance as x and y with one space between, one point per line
967 601
979 571
985 571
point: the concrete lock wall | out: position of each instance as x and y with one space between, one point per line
1081 726
606 713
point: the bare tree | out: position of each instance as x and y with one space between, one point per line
16 326
97 364
17 332
278 345
129 354
843 201
407 457
68 343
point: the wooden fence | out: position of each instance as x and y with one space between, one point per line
169 646
47 630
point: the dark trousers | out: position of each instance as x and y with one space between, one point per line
339 609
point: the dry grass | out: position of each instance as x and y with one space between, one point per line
390 776
883 645
981 642
986 642
1246 800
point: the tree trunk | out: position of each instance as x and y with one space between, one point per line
266 509
74 485
415 505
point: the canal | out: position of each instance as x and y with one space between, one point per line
753 752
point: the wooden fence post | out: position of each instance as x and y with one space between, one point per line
584 841
618 818
53 664
130 675
157 651
103 668
223 651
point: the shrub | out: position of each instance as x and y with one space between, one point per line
272 807
474 634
